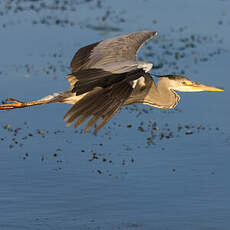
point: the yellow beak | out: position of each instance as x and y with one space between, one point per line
202 87
197 87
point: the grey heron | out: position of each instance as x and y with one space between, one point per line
107 75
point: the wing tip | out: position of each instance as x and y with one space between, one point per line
153 33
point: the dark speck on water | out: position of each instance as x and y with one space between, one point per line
99 171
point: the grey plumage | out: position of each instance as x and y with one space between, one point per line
118 49
105 71
96 65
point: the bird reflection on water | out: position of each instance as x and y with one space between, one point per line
107 75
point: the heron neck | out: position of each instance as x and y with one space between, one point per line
160 97
165 97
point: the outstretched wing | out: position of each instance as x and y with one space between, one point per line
118 49
110 61
100 103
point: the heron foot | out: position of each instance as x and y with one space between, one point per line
13 104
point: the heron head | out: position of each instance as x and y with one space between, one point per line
183 84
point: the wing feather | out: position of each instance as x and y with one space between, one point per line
101 103
90 78
81 58
117 49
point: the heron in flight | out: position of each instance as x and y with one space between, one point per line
107 75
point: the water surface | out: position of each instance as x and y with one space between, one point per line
148 168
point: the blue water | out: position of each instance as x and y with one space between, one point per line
129 176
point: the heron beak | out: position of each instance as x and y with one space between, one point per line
201 87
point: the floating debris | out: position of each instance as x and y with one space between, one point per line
42 157
189 132
99 171
129 126
105 28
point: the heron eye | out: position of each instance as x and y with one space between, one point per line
187 83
